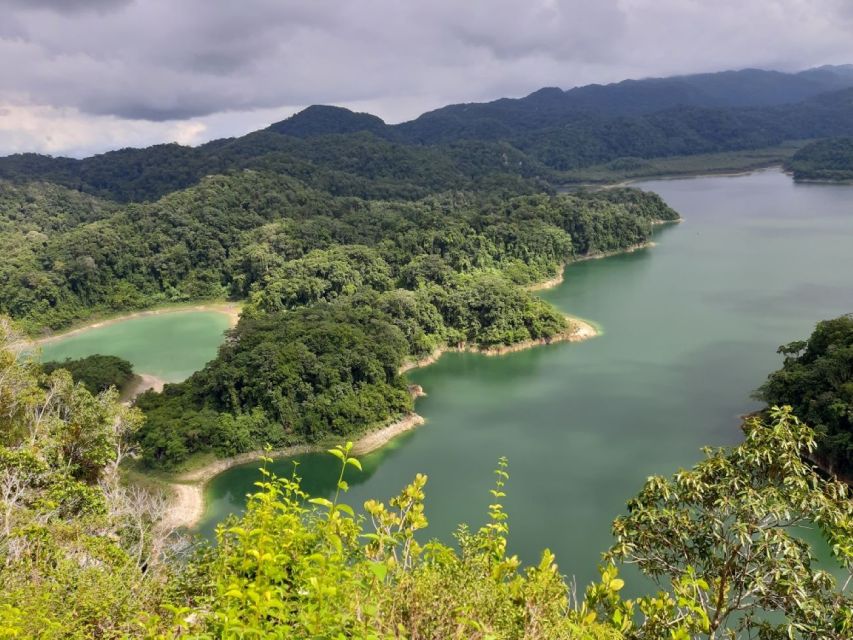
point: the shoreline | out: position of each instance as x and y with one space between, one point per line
578 331
558 279
648 244
141 383
230 309
699 173
188 504
187 488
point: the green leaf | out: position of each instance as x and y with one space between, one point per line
379 569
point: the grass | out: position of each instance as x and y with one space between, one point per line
623 169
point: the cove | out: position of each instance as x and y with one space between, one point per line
690 329
170 345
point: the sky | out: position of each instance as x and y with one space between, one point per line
84 76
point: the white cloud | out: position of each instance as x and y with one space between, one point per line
66 131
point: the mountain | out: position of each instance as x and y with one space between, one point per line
554 107
526 142
322 120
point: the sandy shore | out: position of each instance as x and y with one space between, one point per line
142 382
187 507
374 440
578 331
550 283
607 254
230 309
685 175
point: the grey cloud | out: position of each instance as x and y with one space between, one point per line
165 60
66 6
564 29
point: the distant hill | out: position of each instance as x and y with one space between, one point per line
323 120
528 142
551 106
554 107
825 161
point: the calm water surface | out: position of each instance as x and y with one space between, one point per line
691 328
170 346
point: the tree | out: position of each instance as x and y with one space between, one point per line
725 543
816 379
80 555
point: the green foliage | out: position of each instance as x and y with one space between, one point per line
295 566
323 276
97 372
41 208
816 379
826 160
78 558
386 281
82 555
287 244
724 542
282 378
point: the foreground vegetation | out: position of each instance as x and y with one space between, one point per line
84 556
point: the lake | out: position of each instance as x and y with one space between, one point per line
690 329
170 345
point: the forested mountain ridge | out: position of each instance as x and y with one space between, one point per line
551 106
530 140
358 164
228 234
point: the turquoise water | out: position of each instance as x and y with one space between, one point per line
170 345
691 328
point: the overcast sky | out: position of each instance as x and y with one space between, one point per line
83 76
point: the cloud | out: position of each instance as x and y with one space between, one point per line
65 6
198 61
66 131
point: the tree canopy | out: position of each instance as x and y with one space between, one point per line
97 372
826 160
816 379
